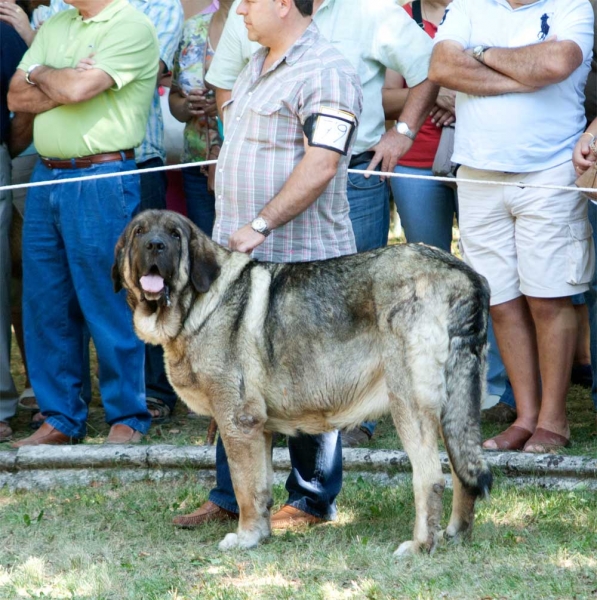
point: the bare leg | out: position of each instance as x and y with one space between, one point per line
556 326
582 352
516 338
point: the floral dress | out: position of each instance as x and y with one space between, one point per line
191 62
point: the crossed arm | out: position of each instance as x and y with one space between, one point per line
505 70
55 87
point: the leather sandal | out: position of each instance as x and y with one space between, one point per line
514 438
28 401
544 441
160 408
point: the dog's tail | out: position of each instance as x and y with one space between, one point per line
465 383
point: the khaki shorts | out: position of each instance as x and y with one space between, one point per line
526 241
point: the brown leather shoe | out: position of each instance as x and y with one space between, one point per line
288 517
123 434
5 431
204 514
46 434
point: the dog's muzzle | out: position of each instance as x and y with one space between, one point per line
153 283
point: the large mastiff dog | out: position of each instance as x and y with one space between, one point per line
317 346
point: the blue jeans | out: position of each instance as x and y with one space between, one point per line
314 482
591 300
8 392
68 239
153 196
498 383
426 208
369 202
201 203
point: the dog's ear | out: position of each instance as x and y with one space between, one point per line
204 265
118 256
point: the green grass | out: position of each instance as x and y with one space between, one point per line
117 543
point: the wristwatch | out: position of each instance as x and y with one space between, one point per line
479 51
404 129
29 71
259 225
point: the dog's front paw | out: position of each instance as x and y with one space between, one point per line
242 539
229 542
455 536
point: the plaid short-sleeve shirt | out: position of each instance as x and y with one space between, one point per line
264 141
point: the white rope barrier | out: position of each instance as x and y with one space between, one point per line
358 171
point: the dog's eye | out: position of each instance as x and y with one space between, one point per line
175 234
138 231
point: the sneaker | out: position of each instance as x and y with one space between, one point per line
501 413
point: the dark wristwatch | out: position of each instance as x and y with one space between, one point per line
259 225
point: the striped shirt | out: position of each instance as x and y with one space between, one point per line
167 18
264 141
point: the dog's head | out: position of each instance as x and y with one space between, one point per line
161 254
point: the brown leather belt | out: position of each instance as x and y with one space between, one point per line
86 161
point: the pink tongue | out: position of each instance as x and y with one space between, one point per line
152 283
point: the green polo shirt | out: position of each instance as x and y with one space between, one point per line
125 46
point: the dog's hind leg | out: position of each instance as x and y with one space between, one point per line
413 359
418 431
249 458
463 512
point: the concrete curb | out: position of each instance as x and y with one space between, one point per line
44 467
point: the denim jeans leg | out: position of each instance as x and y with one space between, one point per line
93 215
315 478
316 475
201 203
153 185
498 383
223 493
369 202
8 392
52 319
591 300
426 208
153 196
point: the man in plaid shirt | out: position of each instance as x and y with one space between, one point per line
281 194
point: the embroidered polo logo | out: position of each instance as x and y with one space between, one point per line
544 27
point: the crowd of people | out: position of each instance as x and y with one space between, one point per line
288 95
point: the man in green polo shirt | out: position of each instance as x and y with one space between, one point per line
88 120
